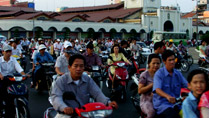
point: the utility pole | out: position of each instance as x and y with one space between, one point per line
33 21
197 20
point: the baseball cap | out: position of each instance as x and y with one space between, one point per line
58 39
7 48
11 40
42 46
39 39
76 41
67 44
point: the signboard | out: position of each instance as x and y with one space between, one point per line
31 5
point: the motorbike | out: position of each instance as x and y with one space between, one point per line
203 62
120 81
17 94
89 110
96 75
46 83
21 60
181 63
187 57
104 56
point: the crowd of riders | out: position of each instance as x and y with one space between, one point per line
159 85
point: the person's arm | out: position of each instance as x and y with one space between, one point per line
184 83
57 66
56 96
202 51
143 89
157 87
125 59
188 112
205 112
98 60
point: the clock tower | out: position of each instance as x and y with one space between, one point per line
147 5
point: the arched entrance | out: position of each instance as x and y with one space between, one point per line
168 26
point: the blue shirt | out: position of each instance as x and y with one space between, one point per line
169 84
41 59
190 107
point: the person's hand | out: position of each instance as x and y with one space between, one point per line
1 77
113 104
61 73
171 99
68 110
37 63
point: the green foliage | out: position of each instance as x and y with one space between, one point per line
205 37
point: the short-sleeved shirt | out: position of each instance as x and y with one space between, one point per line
189 107
62 64
169 84
145 79
10 67
16 51
204 100
92 60
203 48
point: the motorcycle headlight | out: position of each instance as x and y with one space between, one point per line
127 76
95 114
118 76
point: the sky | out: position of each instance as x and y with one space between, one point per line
51 5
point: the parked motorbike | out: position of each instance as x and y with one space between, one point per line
45 84
90 110
17 94
120 81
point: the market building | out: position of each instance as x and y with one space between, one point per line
128 19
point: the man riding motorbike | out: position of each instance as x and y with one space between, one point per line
91 57
78 83
167 86
41 57
8 66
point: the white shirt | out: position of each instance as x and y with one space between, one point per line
57 46
10 67
16 51
78 46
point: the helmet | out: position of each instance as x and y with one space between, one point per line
171 40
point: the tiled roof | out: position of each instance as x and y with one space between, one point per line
66 17
188 15
5 8
30 16
11 13
94 8
97 16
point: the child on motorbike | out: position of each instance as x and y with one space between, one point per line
197 80
146 84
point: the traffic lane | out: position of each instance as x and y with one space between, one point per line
38 102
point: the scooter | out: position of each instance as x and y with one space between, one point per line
45 84
96 75
181 63
90 110
203 62
17 94
120 81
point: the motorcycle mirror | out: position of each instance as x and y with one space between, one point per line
68 96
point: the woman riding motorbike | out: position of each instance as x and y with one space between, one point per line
116 55
146 84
